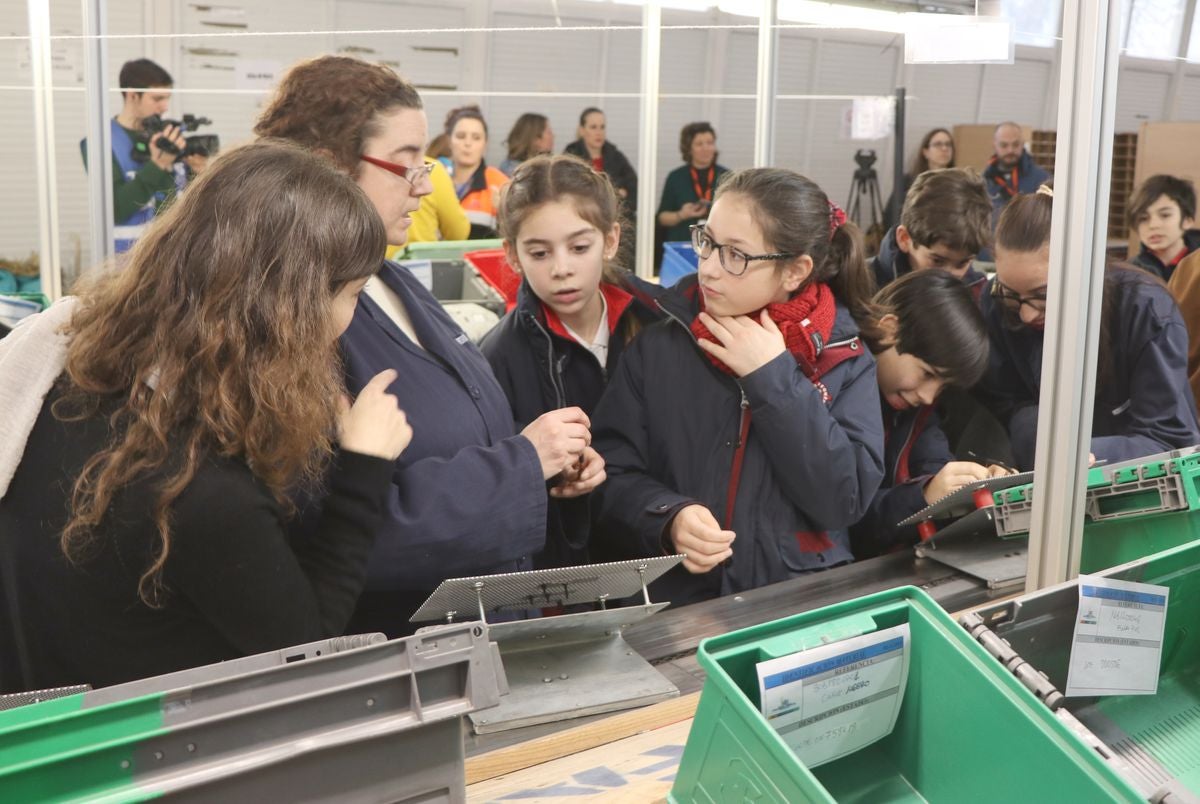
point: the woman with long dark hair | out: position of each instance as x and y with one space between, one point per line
530 136
169 414
935 152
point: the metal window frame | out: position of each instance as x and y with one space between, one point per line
1083 162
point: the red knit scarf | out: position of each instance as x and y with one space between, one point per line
806 321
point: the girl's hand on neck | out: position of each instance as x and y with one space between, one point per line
745 344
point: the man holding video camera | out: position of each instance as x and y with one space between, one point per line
146 172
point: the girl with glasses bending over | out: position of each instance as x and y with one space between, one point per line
1143 404
744 431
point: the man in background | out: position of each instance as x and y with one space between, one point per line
1011 171
145 174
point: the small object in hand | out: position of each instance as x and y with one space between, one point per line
992 462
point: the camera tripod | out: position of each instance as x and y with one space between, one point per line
866 183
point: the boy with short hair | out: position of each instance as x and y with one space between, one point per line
946 221
1163 211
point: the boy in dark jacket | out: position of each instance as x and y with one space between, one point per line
945 222
931 335
1163 211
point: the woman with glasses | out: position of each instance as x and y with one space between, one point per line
469 495
744 432
1143 404
936 152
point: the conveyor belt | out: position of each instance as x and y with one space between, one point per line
669 639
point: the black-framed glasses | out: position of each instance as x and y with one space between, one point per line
412 175
1011 302
733 261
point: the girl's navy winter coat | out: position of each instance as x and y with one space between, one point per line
670 429
541 368
468 496
1147 407
915 449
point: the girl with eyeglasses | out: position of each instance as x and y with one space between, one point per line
1144 404
576 312
744 431
468 497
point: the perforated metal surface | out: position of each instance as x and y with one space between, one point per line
996 562
13 700
960 502
563 586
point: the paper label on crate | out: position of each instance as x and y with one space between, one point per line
422 270
832 700
1117 645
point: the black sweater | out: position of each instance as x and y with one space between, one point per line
235 585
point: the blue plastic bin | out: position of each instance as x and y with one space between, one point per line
679 260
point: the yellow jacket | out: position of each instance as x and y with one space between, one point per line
440 216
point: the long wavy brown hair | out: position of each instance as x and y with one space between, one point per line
216 337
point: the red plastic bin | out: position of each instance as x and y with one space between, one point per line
495 270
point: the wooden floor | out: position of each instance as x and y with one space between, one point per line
627 758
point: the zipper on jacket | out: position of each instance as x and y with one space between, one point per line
555 367
735 473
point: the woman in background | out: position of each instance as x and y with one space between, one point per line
688 191
475 182
531 136
593 147
936 152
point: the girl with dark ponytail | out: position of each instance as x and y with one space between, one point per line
1143 403
744 432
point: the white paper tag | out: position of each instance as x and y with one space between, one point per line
1117 645
422 270
832 700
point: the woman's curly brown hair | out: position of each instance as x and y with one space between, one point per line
216 337
333 104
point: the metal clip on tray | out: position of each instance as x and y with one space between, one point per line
568 665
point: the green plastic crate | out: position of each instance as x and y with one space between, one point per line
967 730
1134 509
1154 740
445 249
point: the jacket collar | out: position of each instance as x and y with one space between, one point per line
1025 166
891 258
531 309
479 178
1191 239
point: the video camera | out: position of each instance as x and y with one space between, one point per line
196 144
865 158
